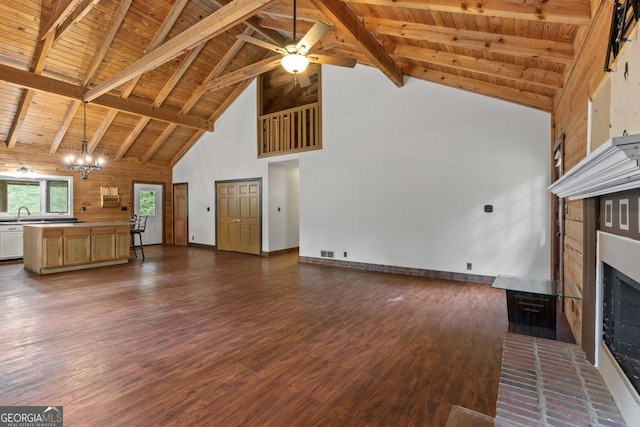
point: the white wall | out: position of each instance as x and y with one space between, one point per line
402 177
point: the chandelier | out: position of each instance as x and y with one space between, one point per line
84 163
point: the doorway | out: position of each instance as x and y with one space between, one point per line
147 202
180 214
239 216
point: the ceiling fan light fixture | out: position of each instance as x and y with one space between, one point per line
295 63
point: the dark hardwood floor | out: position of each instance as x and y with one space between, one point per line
195 337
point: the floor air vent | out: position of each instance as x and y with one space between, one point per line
326 254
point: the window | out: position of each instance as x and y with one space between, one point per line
57 197
41 195
147 203
23 193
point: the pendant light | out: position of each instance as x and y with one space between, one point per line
84 163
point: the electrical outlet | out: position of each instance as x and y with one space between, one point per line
193 237
468 266
345 254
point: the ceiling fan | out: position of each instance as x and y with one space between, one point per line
296 56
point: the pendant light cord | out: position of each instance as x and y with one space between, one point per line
85 120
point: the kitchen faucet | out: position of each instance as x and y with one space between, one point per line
20 210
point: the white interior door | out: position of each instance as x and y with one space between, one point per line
148 202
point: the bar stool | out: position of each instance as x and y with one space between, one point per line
137 228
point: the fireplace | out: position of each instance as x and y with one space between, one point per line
621 321
618 311
610 177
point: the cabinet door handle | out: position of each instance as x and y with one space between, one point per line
530 304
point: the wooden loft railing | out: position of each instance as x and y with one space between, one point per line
289 131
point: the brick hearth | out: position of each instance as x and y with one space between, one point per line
550 383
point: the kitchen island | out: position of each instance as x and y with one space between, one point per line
52 248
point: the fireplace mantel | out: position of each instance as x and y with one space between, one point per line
612 167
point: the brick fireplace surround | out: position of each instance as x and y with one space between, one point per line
550 383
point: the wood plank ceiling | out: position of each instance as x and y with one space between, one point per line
157 74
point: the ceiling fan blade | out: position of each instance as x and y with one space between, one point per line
332 60
312 37
303 79
249 39
263 68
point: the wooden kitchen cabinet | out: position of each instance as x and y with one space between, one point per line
103 243
123 241
77 245
51 248
110 243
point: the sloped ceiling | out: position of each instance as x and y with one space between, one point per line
157 74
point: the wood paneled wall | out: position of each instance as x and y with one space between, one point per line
86 193
571 117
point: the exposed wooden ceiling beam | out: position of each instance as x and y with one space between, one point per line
560 52
301 28
36 82
349 24
42 50
159 36
235 76
254 24
107 39
62 10
114 24
18 119
185 148
285 11
527 99
577 12
130 139
473 64
209 27
72 109
162 96
102 130
196 95
77 15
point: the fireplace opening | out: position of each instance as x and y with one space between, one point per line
621 321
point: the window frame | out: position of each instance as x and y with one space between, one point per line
43 180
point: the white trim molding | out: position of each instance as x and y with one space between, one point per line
612 167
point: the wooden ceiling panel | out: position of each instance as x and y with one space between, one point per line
119 130
178 139
72 54
146 139
510 51
71 143
42 119
19 31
